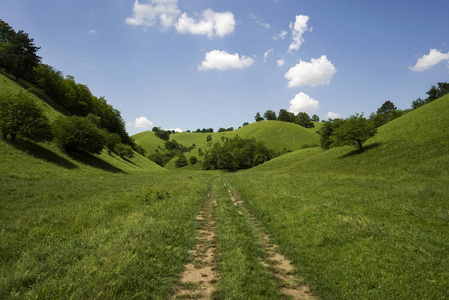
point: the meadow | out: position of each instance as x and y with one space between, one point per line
355 225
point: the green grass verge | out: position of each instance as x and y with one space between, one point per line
242 274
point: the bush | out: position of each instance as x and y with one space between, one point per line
20 115
125 151
181 161
78 134
193 160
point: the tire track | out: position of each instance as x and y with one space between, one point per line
277 264
200 278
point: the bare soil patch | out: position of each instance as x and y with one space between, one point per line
200 278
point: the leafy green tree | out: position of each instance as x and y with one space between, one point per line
20 115
326 131
125 151
6 34
20 55
181 161
258 117
315 118
245 124
304 120
78 134
286 116
354 130
269 115
193 160
209 138
434 93
163 134
111 141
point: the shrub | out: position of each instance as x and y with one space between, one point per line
181 161
125 151
193 160
20 115
78 134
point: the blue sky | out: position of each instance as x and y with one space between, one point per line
207 63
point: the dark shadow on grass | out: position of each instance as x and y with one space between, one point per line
40 152
358 151
129 161
93 161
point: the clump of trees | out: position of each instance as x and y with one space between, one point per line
355 130
386 113
235 154
301 118
435 92
18 57
172 148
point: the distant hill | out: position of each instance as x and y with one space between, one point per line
23 157
277 135
419 140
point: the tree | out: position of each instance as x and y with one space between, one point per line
209 138
19 55
354 131
20 115
163 134
315 118
78 134
303 120
269 115
181 161
258 117
326 131
384 114
193 160
125 151
433 93
286 116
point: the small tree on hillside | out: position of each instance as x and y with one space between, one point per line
258 117
78 134
269 115
286 116
304 120
20 115
181 161
354 131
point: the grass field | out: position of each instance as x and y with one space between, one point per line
355 225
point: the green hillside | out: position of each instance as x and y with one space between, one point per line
279 136
363 225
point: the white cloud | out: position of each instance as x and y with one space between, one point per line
280 62
429 60
221 60
281 35
175 129
142 122
93 31
211 23
317 71
258 21
298 30
332 115
148 14
267 54
303 103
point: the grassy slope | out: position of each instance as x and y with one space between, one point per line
364 225
279 136
93 226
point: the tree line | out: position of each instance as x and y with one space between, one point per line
301 118
92 123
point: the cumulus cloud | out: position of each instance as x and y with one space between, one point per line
281 35
317 71
148 14
332 115
175 129
211 23
221 60
280 62
267 54
298 30
167 14
429 60
303 103
142 122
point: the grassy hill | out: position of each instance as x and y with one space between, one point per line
279 136
363 225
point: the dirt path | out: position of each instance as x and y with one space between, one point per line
200 278
276 263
